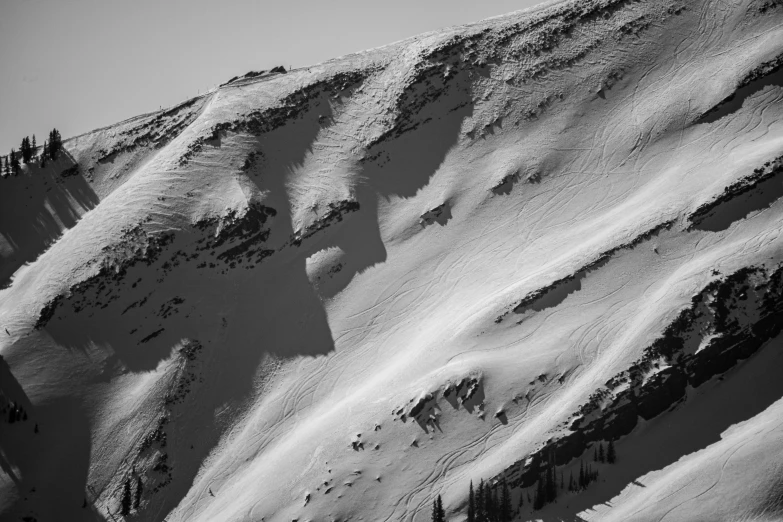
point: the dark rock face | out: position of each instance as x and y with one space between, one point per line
728 321
333 215
231 240
289 108
533 299
752 192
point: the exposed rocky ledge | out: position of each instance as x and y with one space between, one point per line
742 186
334 215
530 299
289 108
728 321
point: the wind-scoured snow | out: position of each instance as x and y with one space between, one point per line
336 293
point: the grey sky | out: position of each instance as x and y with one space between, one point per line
81 64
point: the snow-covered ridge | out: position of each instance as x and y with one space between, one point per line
337 293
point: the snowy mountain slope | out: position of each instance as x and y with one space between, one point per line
337 293
40 203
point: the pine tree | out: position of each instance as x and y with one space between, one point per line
14 162
571 481
611 456
125 504
139 491
504 511
582 482
481 514
24 149
595 454
441 511
44 154
55 143
487 503
521 501
438 514
471 504
601 457
7 167
492 510
33 147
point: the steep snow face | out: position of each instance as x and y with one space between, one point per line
478 254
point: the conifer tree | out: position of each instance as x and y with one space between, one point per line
481 514
489 504
582 482
504 509
601 457
44 154
611 456
7 167
139 491
55 143
521 501
471 504
438 514
24 149
125 504
595 454
571 481
492 505
14 162
33 147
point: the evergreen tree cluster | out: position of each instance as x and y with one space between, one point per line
547 485
27 149
438 514
131 501
488 504
587 475
12 164
55 144
28 152
494 505
610 456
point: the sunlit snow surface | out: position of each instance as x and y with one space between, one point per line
337 293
